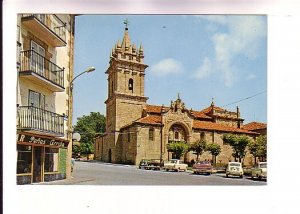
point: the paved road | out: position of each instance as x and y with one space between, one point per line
99 173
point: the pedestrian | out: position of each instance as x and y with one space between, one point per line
192 162
72 166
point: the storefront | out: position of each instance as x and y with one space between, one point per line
40 158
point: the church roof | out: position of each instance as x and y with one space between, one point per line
255 126
150 119
154 109
199 115
209 109
219 127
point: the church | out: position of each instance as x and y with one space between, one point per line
136 130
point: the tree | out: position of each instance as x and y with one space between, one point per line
88 127
238 144
258 148
178 148
198 147
214 149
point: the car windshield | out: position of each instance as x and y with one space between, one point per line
173 161
263 165
234 164
203 162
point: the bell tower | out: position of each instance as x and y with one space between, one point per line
126 74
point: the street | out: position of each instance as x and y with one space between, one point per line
100 173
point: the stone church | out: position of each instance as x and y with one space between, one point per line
136 130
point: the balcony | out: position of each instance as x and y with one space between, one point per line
49 28
37 120
38 69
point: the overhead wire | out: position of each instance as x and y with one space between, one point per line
245 98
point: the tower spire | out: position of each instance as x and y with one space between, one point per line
126 39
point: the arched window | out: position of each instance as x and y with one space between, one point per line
130 84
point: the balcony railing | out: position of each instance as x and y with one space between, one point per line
34 62
37 119
57 26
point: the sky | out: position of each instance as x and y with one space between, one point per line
201 57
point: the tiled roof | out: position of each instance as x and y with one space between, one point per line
150 119
219 127
255 126
199 114
208 109
154 109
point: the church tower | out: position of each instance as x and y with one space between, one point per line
126 74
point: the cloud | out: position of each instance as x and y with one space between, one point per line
167 66
204 70
240 36
251 76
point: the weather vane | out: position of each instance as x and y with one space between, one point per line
126 22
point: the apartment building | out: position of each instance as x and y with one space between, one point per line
45 49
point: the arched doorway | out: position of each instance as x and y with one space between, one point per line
177 133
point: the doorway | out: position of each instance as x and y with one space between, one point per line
109 155
37 164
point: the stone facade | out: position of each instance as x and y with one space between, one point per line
137 130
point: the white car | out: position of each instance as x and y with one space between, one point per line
234 169
175 164
259 171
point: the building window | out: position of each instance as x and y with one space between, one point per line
24 160
51 159
128 137
202 135
130 84
112 87
38 58
151 134
176 135
36 99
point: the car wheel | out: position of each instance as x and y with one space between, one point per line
226 175
241 176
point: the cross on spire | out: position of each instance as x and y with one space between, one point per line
126 22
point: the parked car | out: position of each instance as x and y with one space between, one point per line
234 169
144 163
153 164
175 165
202 167
259 171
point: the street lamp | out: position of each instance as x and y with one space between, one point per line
70 112
90 69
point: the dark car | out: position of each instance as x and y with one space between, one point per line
144 163
154 164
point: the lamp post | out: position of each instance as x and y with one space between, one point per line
90 69
70 118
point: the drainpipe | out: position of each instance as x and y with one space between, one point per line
161 144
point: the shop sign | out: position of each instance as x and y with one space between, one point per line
40 140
